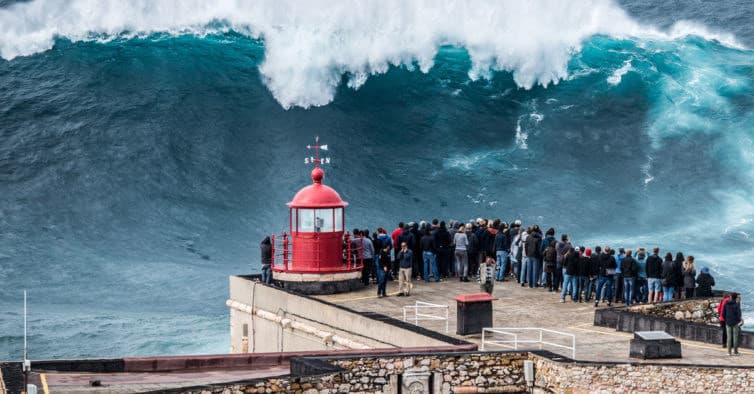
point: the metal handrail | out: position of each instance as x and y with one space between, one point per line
516 341
424 316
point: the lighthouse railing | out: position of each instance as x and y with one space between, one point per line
282 251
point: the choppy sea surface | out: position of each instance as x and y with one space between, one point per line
146 147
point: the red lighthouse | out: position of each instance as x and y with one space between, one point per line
317 258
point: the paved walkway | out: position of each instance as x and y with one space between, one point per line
524 307
78 382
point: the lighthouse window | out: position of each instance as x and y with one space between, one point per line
338 216
305 220
323 220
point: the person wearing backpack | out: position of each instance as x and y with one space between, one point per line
561 248
607 273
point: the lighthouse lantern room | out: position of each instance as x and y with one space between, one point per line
316 258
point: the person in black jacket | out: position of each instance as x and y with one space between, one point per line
654 276
408 238
668 278
472 250
550 257
501 254
266 248
582 274
704 282
678 275
733 322
571 263
629 269
605 281
594 272
429 250
444 252
533 256
383 267
416 250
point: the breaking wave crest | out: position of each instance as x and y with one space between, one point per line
311 47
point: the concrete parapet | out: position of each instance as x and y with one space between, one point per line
631 319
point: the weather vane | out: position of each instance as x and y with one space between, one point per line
316 160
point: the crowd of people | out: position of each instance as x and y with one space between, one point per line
488 251
436 251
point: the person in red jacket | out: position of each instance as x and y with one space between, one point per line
720 309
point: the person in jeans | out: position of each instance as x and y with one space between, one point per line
618 282
594 273
629 270
733 322
429 253
605 280
668 278
266 248
571 263
462 258
654 276
405 263
383 267
641 276
533 256
502 249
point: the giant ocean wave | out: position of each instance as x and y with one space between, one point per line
146 145
310 46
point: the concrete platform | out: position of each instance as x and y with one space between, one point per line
524 307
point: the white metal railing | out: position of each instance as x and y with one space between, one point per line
515 333
423 311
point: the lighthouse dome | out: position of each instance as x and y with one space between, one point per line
317 195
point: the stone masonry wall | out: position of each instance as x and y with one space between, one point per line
626 378
695 310
491 372
502 373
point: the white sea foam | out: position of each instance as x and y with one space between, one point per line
311 45
616 77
